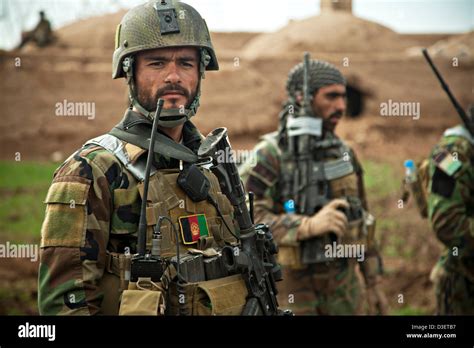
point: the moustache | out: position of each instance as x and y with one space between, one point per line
338 114
173 87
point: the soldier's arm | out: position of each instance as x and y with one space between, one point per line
370 267
260 175
74 237
450 189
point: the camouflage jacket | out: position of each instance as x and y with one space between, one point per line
262 174
93 207
451 201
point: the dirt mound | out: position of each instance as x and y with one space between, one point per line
460 46
95 36
92 33
328 32
229 97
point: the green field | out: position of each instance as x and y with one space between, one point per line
23 187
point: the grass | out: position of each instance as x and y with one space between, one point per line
380 179
410 310
18 297
25 174
23 187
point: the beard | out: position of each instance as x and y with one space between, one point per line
328 125
149 100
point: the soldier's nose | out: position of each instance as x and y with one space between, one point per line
172 75
341 105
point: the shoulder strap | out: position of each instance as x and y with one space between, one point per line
115 146
163 145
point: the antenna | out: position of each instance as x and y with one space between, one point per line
142 225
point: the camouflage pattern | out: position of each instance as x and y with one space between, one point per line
330 289
92 206
451 214
334 290
140 30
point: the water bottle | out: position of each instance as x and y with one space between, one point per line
289 206
415 186
410 171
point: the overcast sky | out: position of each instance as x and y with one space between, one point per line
404 16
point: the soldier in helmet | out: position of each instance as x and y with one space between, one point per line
42 34
309 188
162 49
451 214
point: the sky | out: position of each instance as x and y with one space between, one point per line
403 16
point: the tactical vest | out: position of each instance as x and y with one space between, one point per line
201 233
336 177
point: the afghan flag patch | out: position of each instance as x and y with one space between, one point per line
447 163
193 227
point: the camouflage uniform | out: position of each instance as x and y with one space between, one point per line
332 287
324 289
97 198
451 213
93 204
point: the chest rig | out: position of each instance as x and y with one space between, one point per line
195 230
314 171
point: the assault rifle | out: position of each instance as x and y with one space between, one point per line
255 259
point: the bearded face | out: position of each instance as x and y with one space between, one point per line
168 73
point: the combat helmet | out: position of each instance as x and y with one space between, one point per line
160 24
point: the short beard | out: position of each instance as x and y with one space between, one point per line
328 125
149 101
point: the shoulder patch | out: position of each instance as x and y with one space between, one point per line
65 221
446 162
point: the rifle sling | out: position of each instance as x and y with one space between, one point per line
165 146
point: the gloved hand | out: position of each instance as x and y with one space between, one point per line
328 219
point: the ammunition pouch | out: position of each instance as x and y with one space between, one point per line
223 296
144 297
